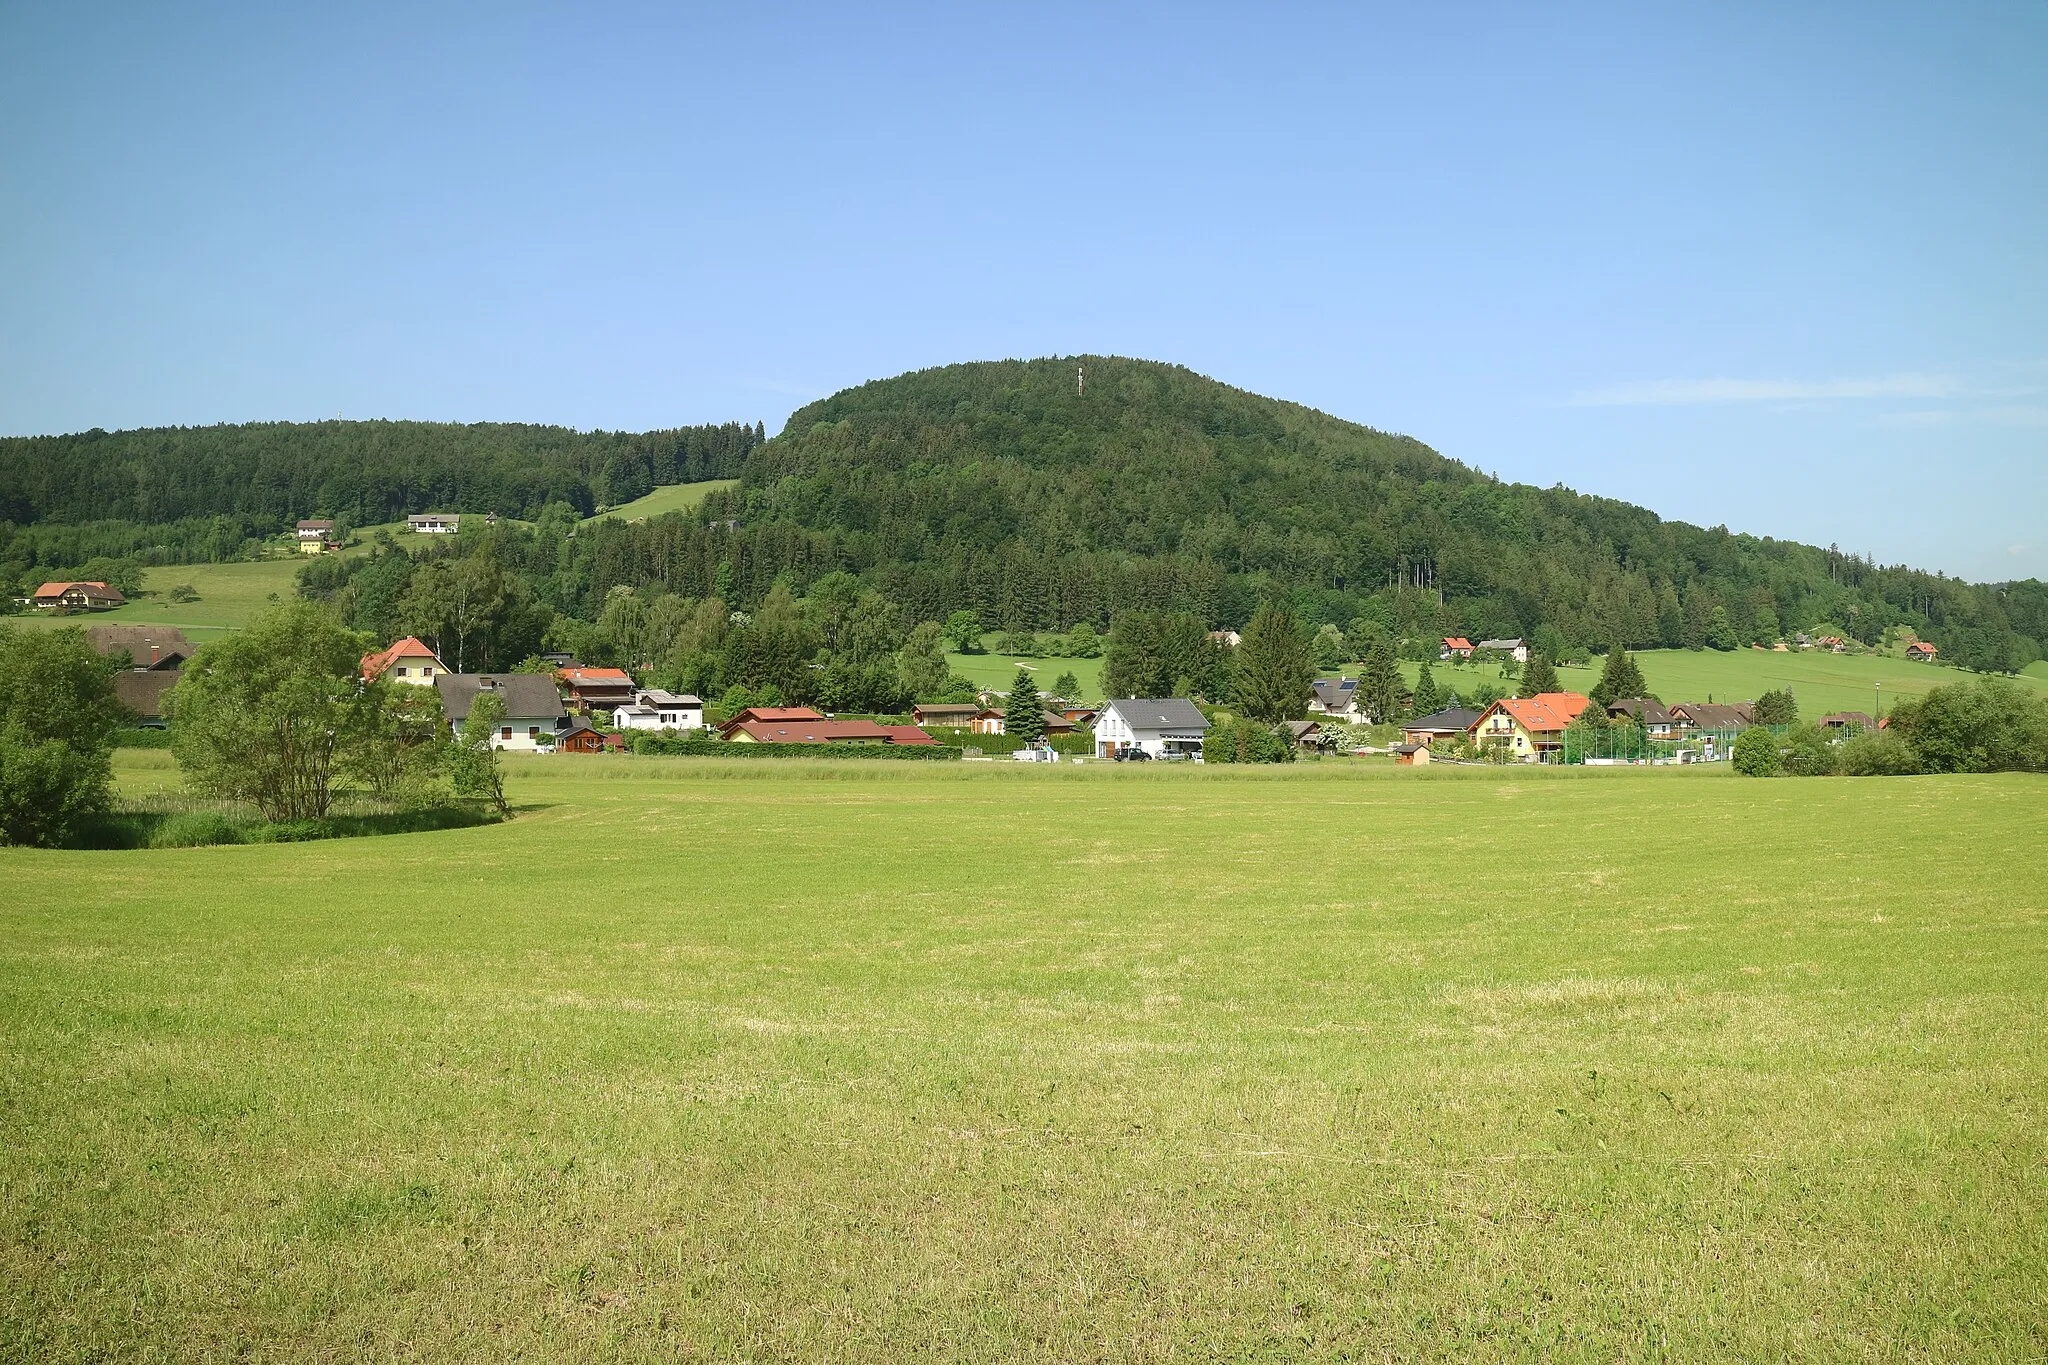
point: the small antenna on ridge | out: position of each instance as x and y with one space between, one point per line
1080 381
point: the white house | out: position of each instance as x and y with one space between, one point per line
533 709
1164 727
434 523
1336 698
1517 649
657 710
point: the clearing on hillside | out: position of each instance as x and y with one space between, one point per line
678 497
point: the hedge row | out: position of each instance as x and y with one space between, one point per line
677 745
1075 744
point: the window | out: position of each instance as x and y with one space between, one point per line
401 670
533 732
507 733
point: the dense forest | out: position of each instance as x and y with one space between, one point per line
1004 490
363 472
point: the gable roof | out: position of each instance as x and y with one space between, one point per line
1923 647
1543 714
908 734
581 676
1454 718
1337 692
1708 715
654 696
770 714
410 647
58 587
801 731
147 646
1648 710
528 696
1836 719
1456 642
1159 713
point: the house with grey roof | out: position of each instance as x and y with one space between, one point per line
1164 727
1336 698
533 708
655 709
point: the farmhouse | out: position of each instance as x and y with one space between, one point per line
1164 727
1528 727
1921 652
1690 717
989 721
1847 721
958 715
1656 719
819 731
1517 649
147 647
776 715
1336 698
1456 647
1439 725
588 687
407 661
434 523
67 595
532 706
658 710
315 536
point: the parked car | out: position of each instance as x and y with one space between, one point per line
1133 756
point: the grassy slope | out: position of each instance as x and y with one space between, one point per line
674 498
701 1058
229 594
1820 682
1000 670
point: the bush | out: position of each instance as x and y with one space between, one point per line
142 739
1985 726
1234 740
1877 753
199 829
649 742
1807 752
1756 752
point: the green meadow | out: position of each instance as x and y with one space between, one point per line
1820 682
678 497
709 1059
229 594
998 671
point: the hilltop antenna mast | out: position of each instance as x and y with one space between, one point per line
1080 381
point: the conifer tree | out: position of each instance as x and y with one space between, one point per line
1428 701
1619 678
1271 669
1537 676
1023 711
1381 687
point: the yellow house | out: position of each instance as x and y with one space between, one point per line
1527 727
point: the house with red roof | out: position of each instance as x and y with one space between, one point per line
407 661
1921 652
1527 727
778 715
1456 647
68 595
820 731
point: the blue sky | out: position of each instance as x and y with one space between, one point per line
1786 271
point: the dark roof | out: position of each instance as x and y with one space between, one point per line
147 646
1707 715
1454 718
528 696
1159 713
1648 710
143 691
1838 718
1334 691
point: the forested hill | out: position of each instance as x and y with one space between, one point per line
365 472
1008 488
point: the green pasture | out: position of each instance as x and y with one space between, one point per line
696 1059
229 594
998 671
1820 682
678 497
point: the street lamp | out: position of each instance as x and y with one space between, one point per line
1877 690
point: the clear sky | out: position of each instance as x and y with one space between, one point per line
1779 267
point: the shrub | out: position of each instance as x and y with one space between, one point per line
198 829
1234 740
1877 753
1756 752
1807 752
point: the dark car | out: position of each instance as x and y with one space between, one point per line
1133 756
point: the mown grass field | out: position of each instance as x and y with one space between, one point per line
998 671
709 1059
677 497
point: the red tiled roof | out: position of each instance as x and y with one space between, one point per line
1544 713
408 648
819 731
57 589
908 734
1456 642
606 676
770 713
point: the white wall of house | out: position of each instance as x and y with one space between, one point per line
651 712
1114 733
